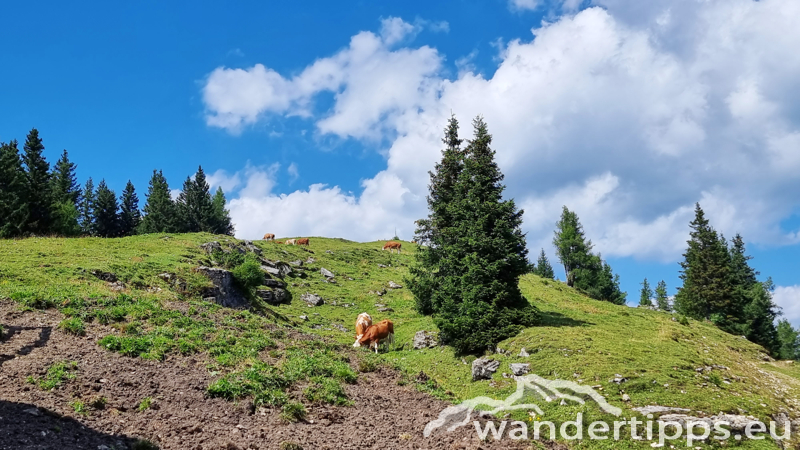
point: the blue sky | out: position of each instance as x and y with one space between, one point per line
323 119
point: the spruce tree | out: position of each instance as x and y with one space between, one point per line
646 294
788 340
760 315
159 211
222 218
86 209
662 299
543 267
194 206
129 217
13 205
65 182
477 301
572 248
705 272
38 190
437 231
106 212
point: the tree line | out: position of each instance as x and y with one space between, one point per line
37 200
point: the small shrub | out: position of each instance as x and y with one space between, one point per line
143 444
292 412
249 274
683 320
32 300
79 407
326 390
98 402
715 379
366 365
286 445
56 375
73 326
145 404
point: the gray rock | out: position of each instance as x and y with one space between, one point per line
297 263
339 327
523 353
252 247
303 317
312 299
520 369
274 296
655 409
326 273
116 286
483 368
310 260
32 411
424 339
211 247
166 276
329 252
271 270
224 291
382 266
393 285
387 309
210 299
105 276
626 398
735 422
269 282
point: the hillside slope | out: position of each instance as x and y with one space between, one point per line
116 290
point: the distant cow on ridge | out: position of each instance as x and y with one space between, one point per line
392 245
269 237
291 242
302 241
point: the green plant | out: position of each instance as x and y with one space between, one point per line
292 412
56 375
79 407
98 402
715 379
249 274
286 445
326 390
73 326
683 320
145 404
143 444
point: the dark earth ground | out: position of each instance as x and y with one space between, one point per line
385 415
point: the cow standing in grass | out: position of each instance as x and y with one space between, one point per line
381 332
291 242
363 321
302 241
392 245
269 237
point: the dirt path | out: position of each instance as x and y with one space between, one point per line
385 415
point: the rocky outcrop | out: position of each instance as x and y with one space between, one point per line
224 291
484 368
424 339
312 299
274 296
326 273
393 285
520 369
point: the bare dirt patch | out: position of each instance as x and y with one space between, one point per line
385 415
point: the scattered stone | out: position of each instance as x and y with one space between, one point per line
116 286
523 353
382 266
393 285
252 247
310 260
326 273
655 409
32 411
269 282
297 263
274 296
520 369
626 398
166 276
312 299
211 247
329 252
304 318
380 305
387 309
618 379
224 291
499 350
330 280
339 327
378 293
424 339
483 368
105 276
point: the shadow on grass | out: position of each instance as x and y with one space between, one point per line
554 319
26 427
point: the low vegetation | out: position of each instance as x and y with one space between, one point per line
56 375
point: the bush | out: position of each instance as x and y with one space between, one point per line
145 404
249 274
326 390
293 411
79 407
73 326
57 374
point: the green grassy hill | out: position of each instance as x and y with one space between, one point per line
580 339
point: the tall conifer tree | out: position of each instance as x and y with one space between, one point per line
222 217
662 299
106 212
646 294
38 188
129 217
572 247
86 209
65 181
13 205
159 211
788 340
194 205
543 267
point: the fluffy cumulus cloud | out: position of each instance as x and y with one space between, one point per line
788 298
628 112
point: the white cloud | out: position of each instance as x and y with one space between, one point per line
294 174
174 193
788 298
523 5
222 179
628 115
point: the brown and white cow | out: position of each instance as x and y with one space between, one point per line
269 237
374 335
291 242
363 321
302 241
392 245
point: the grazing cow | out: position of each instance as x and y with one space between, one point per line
291 242
382 331
363 322
302 241
392 245
279 242
269 237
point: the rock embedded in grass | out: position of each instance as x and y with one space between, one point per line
484 368
393 285
312 299
224 291
424 339
520 369
326 273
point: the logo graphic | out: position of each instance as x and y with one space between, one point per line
459 415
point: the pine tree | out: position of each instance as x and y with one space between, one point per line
65 182
159 211
705 272
742 280
437 231
760 315
789 341
646 294
222 217
543 267
86 209
194 205
572 248
662 299
129 217
13 206
477 301
106 212
38 189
